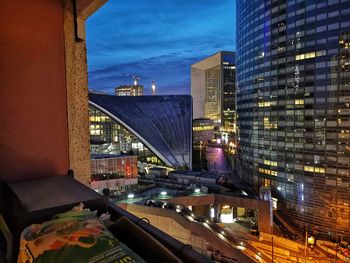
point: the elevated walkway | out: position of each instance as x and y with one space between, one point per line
265 218
202 236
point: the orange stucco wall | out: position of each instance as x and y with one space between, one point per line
33 103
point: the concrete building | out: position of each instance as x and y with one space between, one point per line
213 89
129 90
156 128
293 108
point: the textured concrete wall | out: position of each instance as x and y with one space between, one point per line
198 92
33 110
159 219
203 210
165 221
168 226
77 98
198 85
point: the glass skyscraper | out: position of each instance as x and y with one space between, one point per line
293 105
229 93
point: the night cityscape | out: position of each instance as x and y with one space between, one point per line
175 131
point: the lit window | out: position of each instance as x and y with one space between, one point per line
264 104
309 55
314 169
203 128
267 171
272 163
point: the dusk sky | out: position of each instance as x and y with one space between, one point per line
156 40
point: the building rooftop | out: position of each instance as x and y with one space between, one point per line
214 59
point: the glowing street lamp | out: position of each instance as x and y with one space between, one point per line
153 87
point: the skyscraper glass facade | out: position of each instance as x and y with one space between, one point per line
293 104
229 92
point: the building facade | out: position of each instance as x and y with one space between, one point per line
293 103
117 172
203 130
213 89
129 90
109 137
156 128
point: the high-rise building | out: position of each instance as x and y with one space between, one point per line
293 104
213 89
129 90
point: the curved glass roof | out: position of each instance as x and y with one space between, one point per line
162 123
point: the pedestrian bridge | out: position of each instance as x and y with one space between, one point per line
263 208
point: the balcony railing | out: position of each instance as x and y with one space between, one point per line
36 201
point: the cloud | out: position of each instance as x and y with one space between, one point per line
156 40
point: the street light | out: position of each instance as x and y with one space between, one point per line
153 87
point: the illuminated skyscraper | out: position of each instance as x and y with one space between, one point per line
293 104
213 89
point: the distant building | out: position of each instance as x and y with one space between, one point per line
156 128
113 171
203 130
213 89
129 90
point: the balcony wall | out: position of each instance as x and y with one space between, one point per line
43 87
34 125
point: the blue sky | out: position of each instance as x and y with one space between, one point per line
156 40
